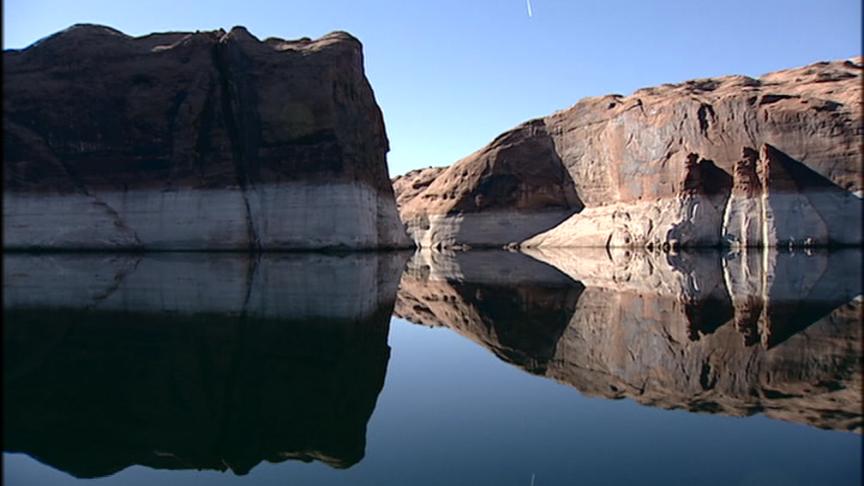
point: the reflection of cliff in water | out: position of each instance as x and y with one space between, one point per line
738 334
193 361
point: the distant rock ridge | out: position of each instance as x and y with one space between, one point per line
731 161
210 140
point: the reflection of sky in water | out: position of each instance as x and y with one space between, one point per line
452 412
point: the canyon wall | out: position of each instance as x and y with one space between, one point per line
732 161
193 141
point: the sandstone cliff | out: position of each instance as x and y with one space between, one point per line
193 141
735 161
737 335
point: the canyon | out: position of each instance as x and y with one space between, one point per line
732 161
217 140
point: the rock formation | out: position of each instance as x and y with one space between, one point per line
193 361
193 141
779 334
663 167
507 191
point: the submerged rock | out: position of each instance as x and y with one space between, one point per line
193 141
663 167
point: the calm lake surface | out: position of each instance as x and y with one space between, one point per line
544 368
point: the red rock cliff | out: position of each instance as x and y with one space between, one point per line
205 140
664 166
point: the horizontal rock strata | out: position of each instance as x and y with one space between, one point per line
737 334
193 141
735 161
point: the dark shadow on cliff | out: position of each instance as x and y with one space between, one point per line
838 209
523 173
265 370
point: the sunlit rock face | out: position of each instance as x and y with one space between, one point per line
738 334
733 161
193 361
193 141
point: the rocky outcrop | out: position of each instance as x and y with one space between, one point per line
193 141
193 361
737 334
408 186
508 191
663 167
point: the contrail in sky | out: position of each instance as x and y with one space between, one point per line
530 13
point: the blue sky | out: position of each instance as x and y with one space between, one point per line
450 75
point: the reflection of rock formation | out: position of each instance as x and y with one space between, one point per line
775 295
504 301
193 361
776 333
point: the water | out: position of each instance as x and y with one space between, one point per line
556 367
